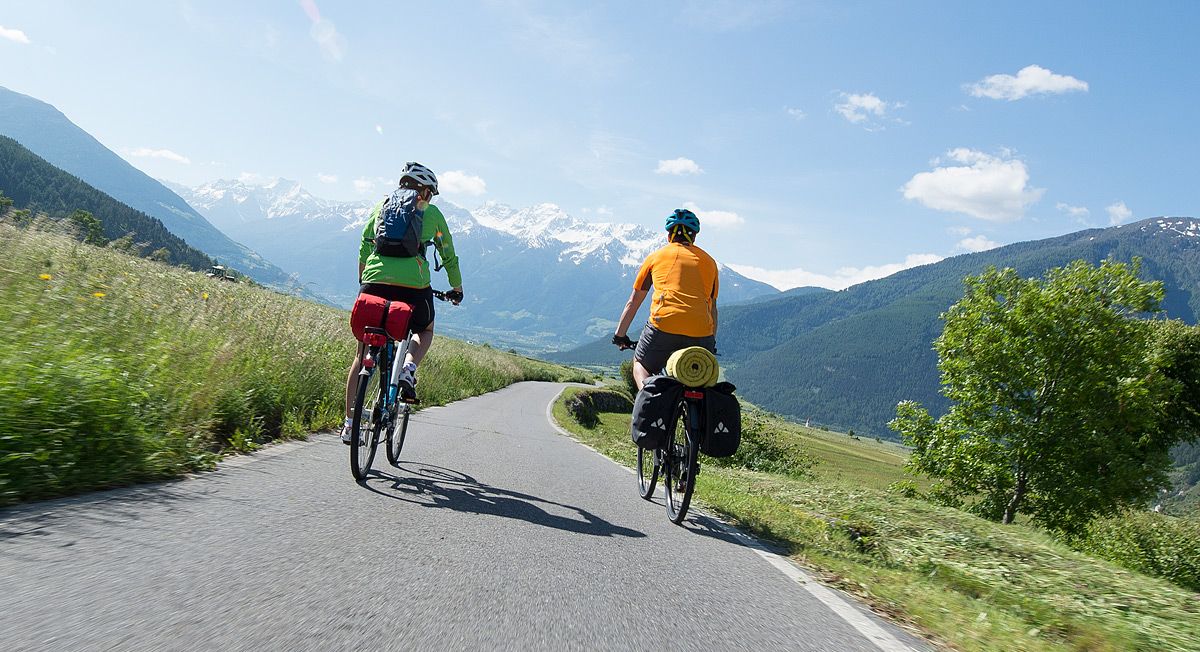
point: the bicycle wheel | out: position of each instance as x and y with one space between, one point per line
647 471
395 436
368 412
680 466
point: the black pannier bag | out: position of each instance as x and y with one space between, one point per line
653 410
722 422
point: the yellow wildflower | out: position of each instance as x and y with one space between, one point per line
44 276
97 294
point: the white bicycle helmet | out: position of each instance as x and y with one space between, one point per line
420 174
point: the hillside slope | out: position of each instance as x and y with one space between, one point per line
844 359
48 133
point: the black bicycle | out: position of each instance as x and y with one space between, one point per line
678 459
380 407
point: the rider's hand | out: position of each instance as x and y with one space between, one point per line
623 342
455 296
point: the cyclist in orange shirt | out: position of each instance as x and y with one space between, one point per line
683 310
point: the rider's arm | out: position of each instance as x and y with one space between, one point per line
361 267
631 308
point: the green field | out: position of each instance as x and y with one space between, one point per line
961 581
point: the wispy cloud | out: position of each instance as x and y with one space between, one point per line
459 182
717 219
977 243
327 178
1073 211
1030 80
15 35
795 113
146 152
364 185
679 167
866 110
993 188
731 15
786 279
1118 213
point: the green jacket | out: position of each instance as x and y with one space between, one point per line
410 272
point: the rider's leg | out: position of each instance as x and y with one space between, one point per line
352 381
640 374
420 346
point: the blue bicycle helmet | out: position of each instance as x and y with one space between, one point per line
683 218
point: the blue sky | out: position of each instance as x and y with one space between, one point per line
821 143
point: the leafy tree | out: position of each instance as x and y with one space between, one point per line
90 228
5 203
1064 401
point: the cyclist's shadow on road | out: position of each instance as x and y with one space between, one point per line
435 486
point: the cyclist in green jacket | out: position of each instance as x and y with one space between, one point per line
406 279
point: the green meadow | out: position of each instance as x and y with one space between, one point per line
963 582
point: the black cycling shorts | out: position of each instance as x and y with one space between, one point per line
654 347
421 300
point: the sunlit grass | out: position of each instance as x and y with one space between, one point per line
962 581
115 369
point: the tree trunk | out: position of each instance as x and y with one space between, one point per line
1010 512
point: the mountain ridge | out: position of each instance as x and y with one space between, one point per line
536 278
47 132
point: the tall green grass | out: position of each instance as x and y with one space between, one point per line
964 582
115 369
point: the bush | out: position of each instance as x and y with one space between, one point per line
627 376
1150 543
586 405
768 449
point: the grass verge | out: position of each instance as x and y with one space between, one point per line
963 582
116 369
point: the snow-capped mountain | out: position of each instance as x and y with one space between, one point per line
546 225
536 278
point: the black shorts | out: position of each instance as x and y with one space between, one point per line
654 347
421 300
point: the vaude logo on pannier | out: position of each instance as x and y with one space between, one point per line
399 224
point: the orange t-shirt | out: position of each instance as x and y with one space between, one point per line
685 287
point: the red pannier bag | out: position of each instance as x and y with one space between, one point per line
370 310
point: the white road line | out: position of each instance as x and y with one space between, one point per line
832 599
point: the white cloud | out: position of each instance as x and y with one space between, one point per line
862 109
364 185
795 113
327 178
679 166
146 152
978 243
961 231
717 219
14 35
1118 213
459 182
786 279
1073 211
993 188
1030 80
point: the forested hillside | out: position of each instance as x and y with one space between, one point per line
844 359
37 186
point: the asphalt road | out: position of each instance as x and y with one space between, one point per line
496 533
